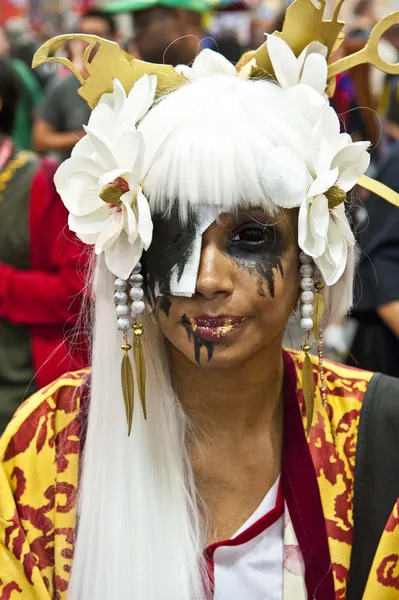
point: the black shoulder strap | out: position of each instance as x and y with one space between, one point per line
376 486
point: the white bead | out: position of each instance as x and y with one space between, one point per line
123 324
306 270
307 297
136 293
122 310
305 259
307 284
306 323
120 285
138 307
137 268
120 298
136 280
307 310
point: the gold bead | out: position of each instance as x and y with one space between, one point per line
138 329
319 285
126 347
306 348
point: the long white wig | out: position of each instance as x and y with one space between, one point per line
140 535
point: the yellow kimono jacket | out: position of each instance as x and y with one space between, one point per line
39 478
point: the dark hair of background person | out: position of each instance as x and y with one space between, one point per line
163 34
228 45
99 14
362 7
9 96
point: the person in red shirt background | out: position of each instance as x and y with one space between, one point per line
41 269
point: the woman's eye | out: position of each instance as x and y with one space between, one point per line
250 234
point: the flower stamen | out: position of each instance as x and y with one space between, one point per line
112 192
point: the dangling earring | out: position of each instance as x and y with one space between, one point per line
307 310
137 308
318 332
125 315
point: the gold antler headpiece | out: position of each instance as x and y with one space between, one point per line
304 23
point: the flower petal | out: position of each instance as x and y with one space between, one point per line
305 237
83 148
341 221
145 226
285 177
76 181
110 232
101 149
332 263
319 222
116 99
128 151
323 183
309 102
352 162
122 257
91 224
208 63
130 221
138 102
104 121
285 65
314 72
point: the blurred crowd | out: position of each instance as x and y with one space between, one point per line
42 265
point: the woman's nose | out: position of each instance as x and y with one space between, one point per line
216 272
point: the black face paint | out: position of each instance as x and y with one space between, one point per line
198 342
171 247
258 247
165 304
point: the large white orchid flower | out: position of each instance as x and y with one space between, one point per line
100 183
319 191
323 230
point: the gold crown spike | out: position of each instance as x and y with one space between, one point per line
303 24
369 54
109 63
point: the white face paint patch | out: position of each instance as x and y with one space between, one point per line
184 284
172 262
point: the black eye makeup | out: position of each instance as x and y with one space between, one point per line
252 234
258 247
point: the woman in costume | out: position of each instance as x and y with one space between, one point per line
216 212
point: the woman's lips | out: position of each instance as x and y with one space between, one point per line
214 328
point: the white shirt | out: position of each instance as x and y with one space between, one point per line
249 566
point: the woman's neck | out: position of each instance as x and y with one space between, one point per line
236 400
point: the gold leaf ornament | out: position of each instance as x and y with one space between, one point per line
139 361
127 380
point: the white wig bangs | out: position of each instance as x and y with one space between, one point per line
207 144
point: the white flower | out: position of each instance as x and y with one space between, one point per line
206 64
100 183
337 164
310 68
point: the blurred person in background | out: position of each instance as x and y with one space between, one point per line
376 343
165 31
29 97
40 287
60 123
